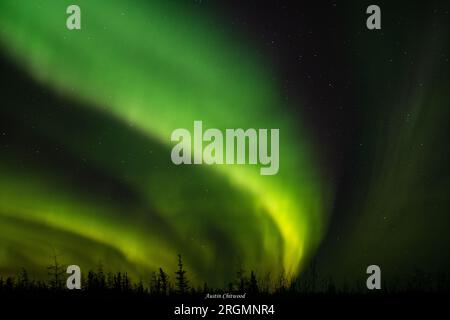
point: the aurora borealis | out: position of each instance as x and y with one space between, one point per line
87 116
140 71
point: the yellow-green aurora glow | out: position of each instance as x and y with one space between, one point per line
141 69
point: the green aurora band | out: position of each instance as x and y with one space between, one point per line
136 71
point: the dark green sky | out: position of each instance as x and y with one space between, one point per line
393 205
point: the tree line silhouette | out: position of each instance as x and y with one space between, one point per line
162 283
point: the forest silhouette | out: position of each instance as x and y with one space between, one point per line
161 283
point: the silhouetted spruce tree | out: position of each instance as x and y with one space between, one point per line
118 281
22 282
182 282
109 280
126 283
253 285
164 279
100 277
265 285
155 284
56 272
282 283
139 287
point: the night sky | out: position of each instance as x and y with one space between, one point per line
86 119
